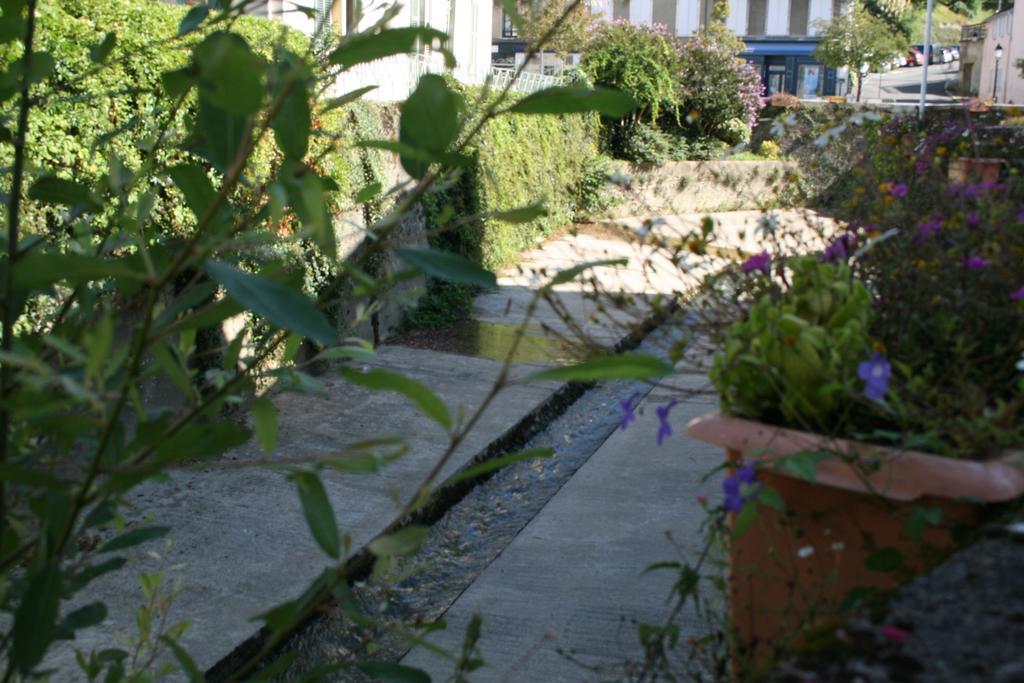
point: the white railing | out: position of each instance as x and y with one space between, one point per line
527 82
396 76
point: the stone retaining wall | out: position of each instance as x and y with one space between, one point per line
693 186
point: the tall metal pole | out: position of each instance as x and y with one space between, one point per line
927 58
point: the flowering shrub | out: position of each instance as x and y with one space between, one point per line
698 90
716 85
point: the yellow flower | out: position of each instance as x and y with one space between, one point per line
940 151
920 263
878 346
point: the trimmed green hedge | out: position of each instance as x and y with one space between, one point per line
114 109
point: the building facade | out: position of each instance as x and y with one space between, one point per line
780 35
984 75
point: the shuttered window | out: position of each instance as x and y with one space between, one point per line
757 17
798 11
665 13
620 9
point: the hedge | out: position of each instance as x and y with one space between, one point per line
116 109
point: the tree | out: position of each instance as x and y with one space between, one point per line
575 24
856 38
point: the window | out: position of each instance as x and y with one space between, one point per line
508 29
798 11
664 13
757 17
808 80
706 7
620 9
323 15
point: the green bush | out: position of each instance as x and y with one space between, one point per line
123 103
794 359
591 191
734 132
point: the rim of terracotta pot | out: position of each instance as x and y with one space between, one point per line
902 475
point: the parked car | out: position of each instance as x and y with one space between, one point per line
947 55
915 57
956 52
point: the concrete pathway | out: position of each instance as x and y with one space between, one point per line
573 580
240 544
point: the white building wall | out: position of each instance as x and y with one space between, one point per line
778 18
737 22
641 11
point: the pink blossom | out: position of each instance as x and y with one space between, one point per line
894 633
976 263
1017 295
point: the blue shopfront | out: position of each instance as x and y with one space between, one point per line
789 66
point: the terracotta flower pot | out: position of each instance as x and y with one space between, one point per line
871 518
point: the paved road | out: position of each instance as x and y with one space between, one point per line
904 85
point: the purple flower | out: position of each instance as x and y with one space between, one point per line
875 372
1020 215
1017 295
740 487
840 249
762 262
976 263
664 429
928 229
973 218
627 410
898 189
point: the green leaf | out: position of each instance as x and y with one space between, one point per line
920 519
185 660
770 497
293 121
35 619
492 464
220 133
385 380
570 274
746 516
54 190
803 465
40 67
573 99
84 617
178 82
193 182
86 575
348 97
401 543
230 73
393 673
172 367
367 193
191 21
524 214
366 47
98 53
201 441
884 560
264 415
306 194
133 538
318 511
274 302
429 121
624 366
38 270
445 265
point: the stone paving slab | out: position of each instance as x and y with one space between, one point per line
572 579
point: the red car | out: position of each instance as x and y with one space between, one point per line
915 57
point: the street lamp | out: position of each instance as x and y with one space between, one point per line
995 76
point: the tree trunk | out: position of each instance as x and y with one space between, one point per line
860 84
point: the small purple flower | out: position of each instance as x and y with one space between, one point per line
1017 295
1020 215
973 218
976 263
664 428
761 262
875 372
898 189
928 229
627 406
740 487
840 249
